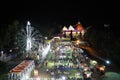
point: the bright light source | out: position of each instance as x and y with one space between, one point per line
63 77
46 37
27 76
2 52
107 62
29 37
102 68
78 41
28 23
10 50
35 72
88 75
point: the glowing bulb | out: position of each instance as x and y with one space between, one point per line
107 61
28 23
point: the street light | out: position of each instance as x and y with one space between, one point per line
107 62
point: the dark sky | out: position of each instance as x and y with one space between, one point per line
60 12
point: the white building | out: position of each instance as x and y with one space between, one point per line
77 30
22 71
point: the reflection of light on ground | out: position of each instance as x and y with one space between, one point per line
102 68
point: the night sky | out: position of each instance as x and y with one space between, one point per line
60 12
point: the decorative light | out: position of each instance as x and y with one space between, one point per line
2 52
78 41
10 50
63 78
101 69
35 73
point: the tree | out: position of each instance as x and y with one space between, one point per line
105 40
71 36
8 33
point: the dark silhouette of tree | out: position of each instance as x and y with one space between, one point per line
8 33
71 36
106 40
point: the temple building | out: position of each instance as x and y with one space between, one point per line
76 31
